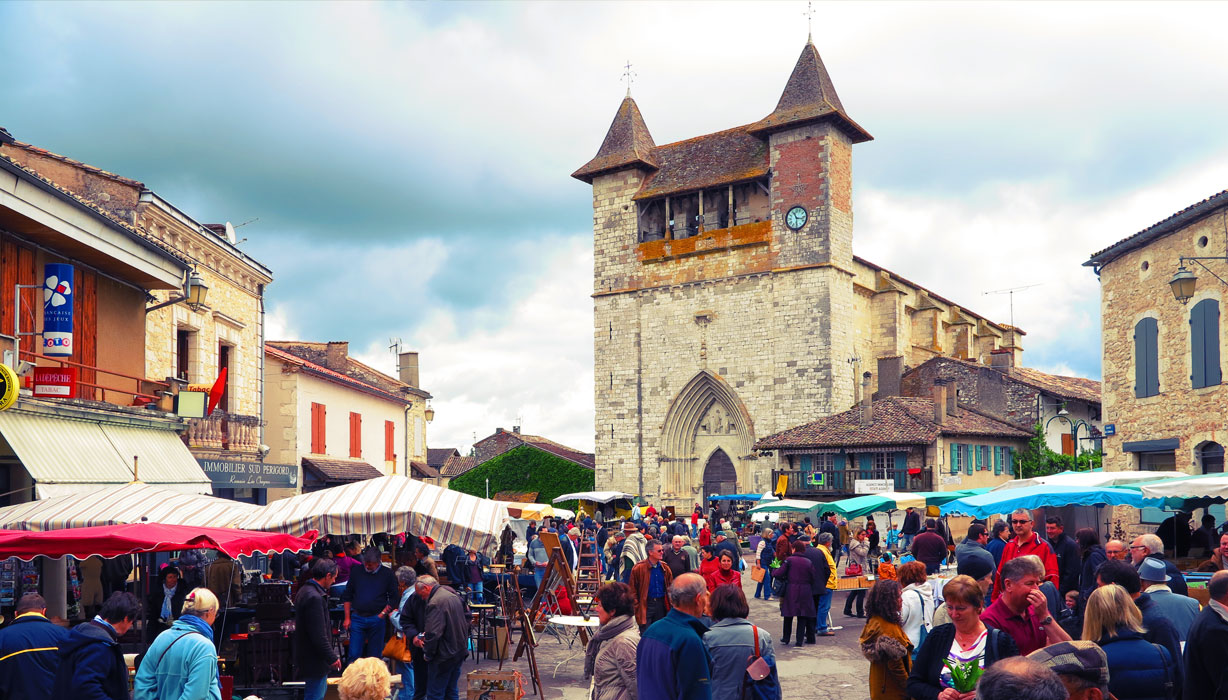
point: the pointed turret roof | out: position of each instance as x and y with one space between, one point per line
809 96
627 143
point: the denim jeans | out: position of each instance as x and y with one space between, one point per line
442 678
539 572
366 636
765 587
407 680
822 604
477 594
314 688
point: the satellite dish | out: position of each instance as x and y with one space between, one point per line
230 233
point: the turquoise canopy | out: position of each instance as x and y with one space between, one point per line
1032 497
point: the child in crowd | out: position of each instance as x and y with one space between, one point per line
893 537
886 569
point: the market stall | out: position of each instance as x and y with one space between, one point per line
130 503
139 538
1088 479
613 504
1045 496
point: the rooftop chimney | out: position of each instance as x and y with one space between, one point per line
953 400
336 355
890 373
940 403
516 429
867 403
1001 358
408 362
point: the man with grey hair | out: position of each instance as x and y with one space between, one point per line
671 661
1022 611
678 561
1116 549
407 582
1152 547
1018 678
1026 542
445 639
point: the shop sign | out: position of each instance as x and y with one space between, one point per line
10 385
228 472
58 293
1110 429
872 485
55 382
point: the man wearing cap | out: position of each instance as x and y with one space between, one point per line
980 571
974 546
1178 609
1081 666
1159 630
1207 647
1019 678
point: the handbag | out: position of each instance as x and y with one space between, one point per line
396 649
853 569
757 573
758 683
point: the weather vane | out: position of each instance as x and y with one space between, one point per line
629 76
809 18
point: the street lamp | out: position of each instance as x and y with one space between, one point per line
194 292
1184 282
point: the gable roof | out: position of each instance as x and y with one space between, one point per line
340 470
897 421
584 459
1058 385
458 464
438 456
809 96
726 157
1173 223
626 143
312 357
422 470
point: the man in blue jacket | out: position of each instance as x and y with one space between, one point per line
30 651
91 664
671 660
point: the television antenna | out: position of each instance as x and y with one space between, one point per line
394 347
1011 297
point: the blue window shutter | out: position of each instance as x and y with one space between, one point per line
966 458
1146 358
1198 344
980 458
901 461
865 462
1214 373
953 450
807 462
837 477
1010 460
997 460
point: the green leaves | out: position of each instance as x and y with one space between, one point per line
1038 460
964 675
526 468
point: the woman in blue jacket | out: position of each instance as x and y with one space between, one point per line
731 642
1138 669
181 662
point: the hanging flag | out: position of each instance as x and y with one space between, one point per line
215 393
57 309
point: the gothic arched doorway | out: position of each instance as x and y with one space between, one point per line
719 475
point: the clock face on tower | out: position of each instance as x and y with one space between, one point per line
796 217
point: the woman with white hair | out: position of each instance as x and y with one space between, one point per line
182 662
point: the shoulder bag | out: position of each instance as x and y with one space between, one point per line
758 683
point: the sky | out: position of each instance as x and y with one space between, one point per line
405 167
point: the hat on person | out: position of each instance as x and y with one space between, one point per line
574 531
1077 658
1153 570
630 527
976 567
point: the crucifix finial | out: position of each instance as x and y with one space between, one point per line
809 19
628 76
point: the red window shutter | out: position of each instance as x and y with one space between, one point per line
318 445
389 437
355 435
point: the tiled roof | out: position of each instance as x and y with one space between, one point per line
809 96
312 356
723 158
112 219
458 464
437 457
626 143
78 164
516 496
584 459
897 421
422 470
1064 387
340 470
1182 218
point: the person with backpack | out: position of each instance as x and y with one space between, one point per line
917 608
743 663
1138 669
182 661
965 640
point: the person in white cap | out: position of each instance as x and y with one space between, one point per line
1177 609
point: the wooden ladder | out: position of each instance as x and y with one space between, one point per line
588 576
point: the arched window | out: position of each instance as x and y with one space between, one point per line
1146 358
1212 457
1204 344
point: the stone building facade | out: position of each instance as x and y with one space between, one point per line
1162 359
728 303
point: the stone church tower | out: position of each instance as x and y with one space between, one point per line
728 303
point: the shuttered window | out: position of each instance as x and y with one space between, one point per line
997 460
954 450
1146 358
1009 454
317 429
390 432
1204 344
966 458
355 435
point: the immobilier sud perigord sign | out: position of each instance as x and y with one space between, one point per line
227 472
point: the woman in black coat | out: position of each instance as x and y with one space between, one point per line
798 597
1092 554
161 614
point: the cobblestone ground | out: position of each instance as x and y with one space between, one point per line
833 668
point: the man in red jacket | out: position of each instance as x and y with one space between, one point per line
1026 541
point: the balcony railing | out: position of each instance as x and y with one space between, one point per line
224 431
98 384
841 481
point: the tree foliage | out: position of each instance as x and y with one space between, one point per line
526 468
1038 460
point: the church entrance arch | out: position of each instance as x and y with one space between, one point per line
707 433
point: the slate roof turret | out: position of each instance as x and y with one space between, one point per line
627 143
809 96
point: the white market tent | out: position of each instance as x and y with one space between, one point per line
390 504
788 505
1093 479
1184 492
120 505
594 496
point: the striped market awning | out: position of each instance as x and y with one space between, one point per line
130 503
392 504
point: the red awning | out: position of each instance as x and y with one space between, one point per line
137 538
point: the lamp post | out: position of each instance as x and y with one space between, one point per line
194 292
1185 282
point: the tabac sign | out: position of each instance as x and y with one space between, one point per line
9 386
229 473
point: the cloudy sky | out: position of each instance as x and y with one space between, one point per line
407 165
